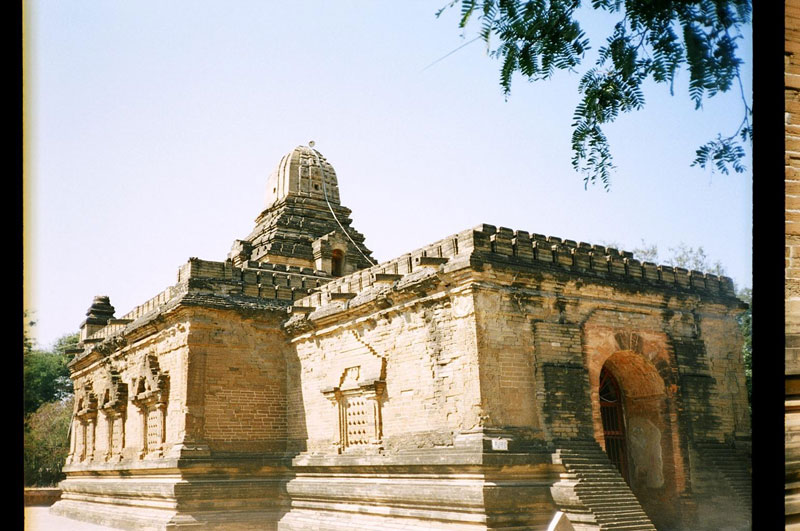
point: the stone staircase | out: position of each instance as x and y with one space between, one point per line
592 492
732 466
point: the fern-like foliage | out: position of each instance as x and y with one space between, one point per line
722 153
653 39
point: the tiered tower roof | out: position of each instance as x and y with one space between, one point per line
303 206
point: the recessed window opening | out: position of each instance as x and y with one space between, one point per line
337 261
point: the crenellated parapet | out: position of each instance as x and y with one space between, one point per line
387 273
501 245
252 279
254 285
204 281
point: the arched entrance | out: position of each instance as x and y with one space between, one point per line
637 430
631 396
613 418
643 366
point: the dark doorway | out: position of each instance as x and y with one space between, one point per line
613 421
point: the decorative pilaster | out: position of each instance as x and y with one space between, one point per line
85 420
114 403
151 395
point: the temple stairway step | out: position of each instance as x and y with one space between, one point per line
729 463
599 487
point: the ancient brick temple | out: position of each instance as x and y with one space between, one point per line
494 379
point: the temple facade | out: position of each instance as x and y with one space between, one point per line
494 379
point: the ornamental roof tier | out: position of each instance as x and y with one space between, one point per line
304 223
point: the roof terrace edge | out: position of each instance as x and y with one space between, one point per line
202 283
503 247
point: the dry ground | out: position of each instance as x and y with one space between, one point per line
40 519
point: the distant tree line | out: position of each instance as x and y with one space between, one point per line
48 403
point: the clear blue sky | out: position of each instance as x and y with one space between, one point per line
151 128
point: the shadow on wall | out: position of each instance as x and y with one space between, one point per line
297 430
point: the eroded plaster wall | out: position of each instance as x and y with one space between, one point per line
722 341
505 344
425 353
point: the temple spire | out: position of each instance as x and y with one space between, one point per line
304 223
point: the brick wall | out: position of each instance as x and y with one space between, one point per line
792 260
240 378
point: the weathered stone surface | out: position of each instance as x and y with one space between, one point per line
454 387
